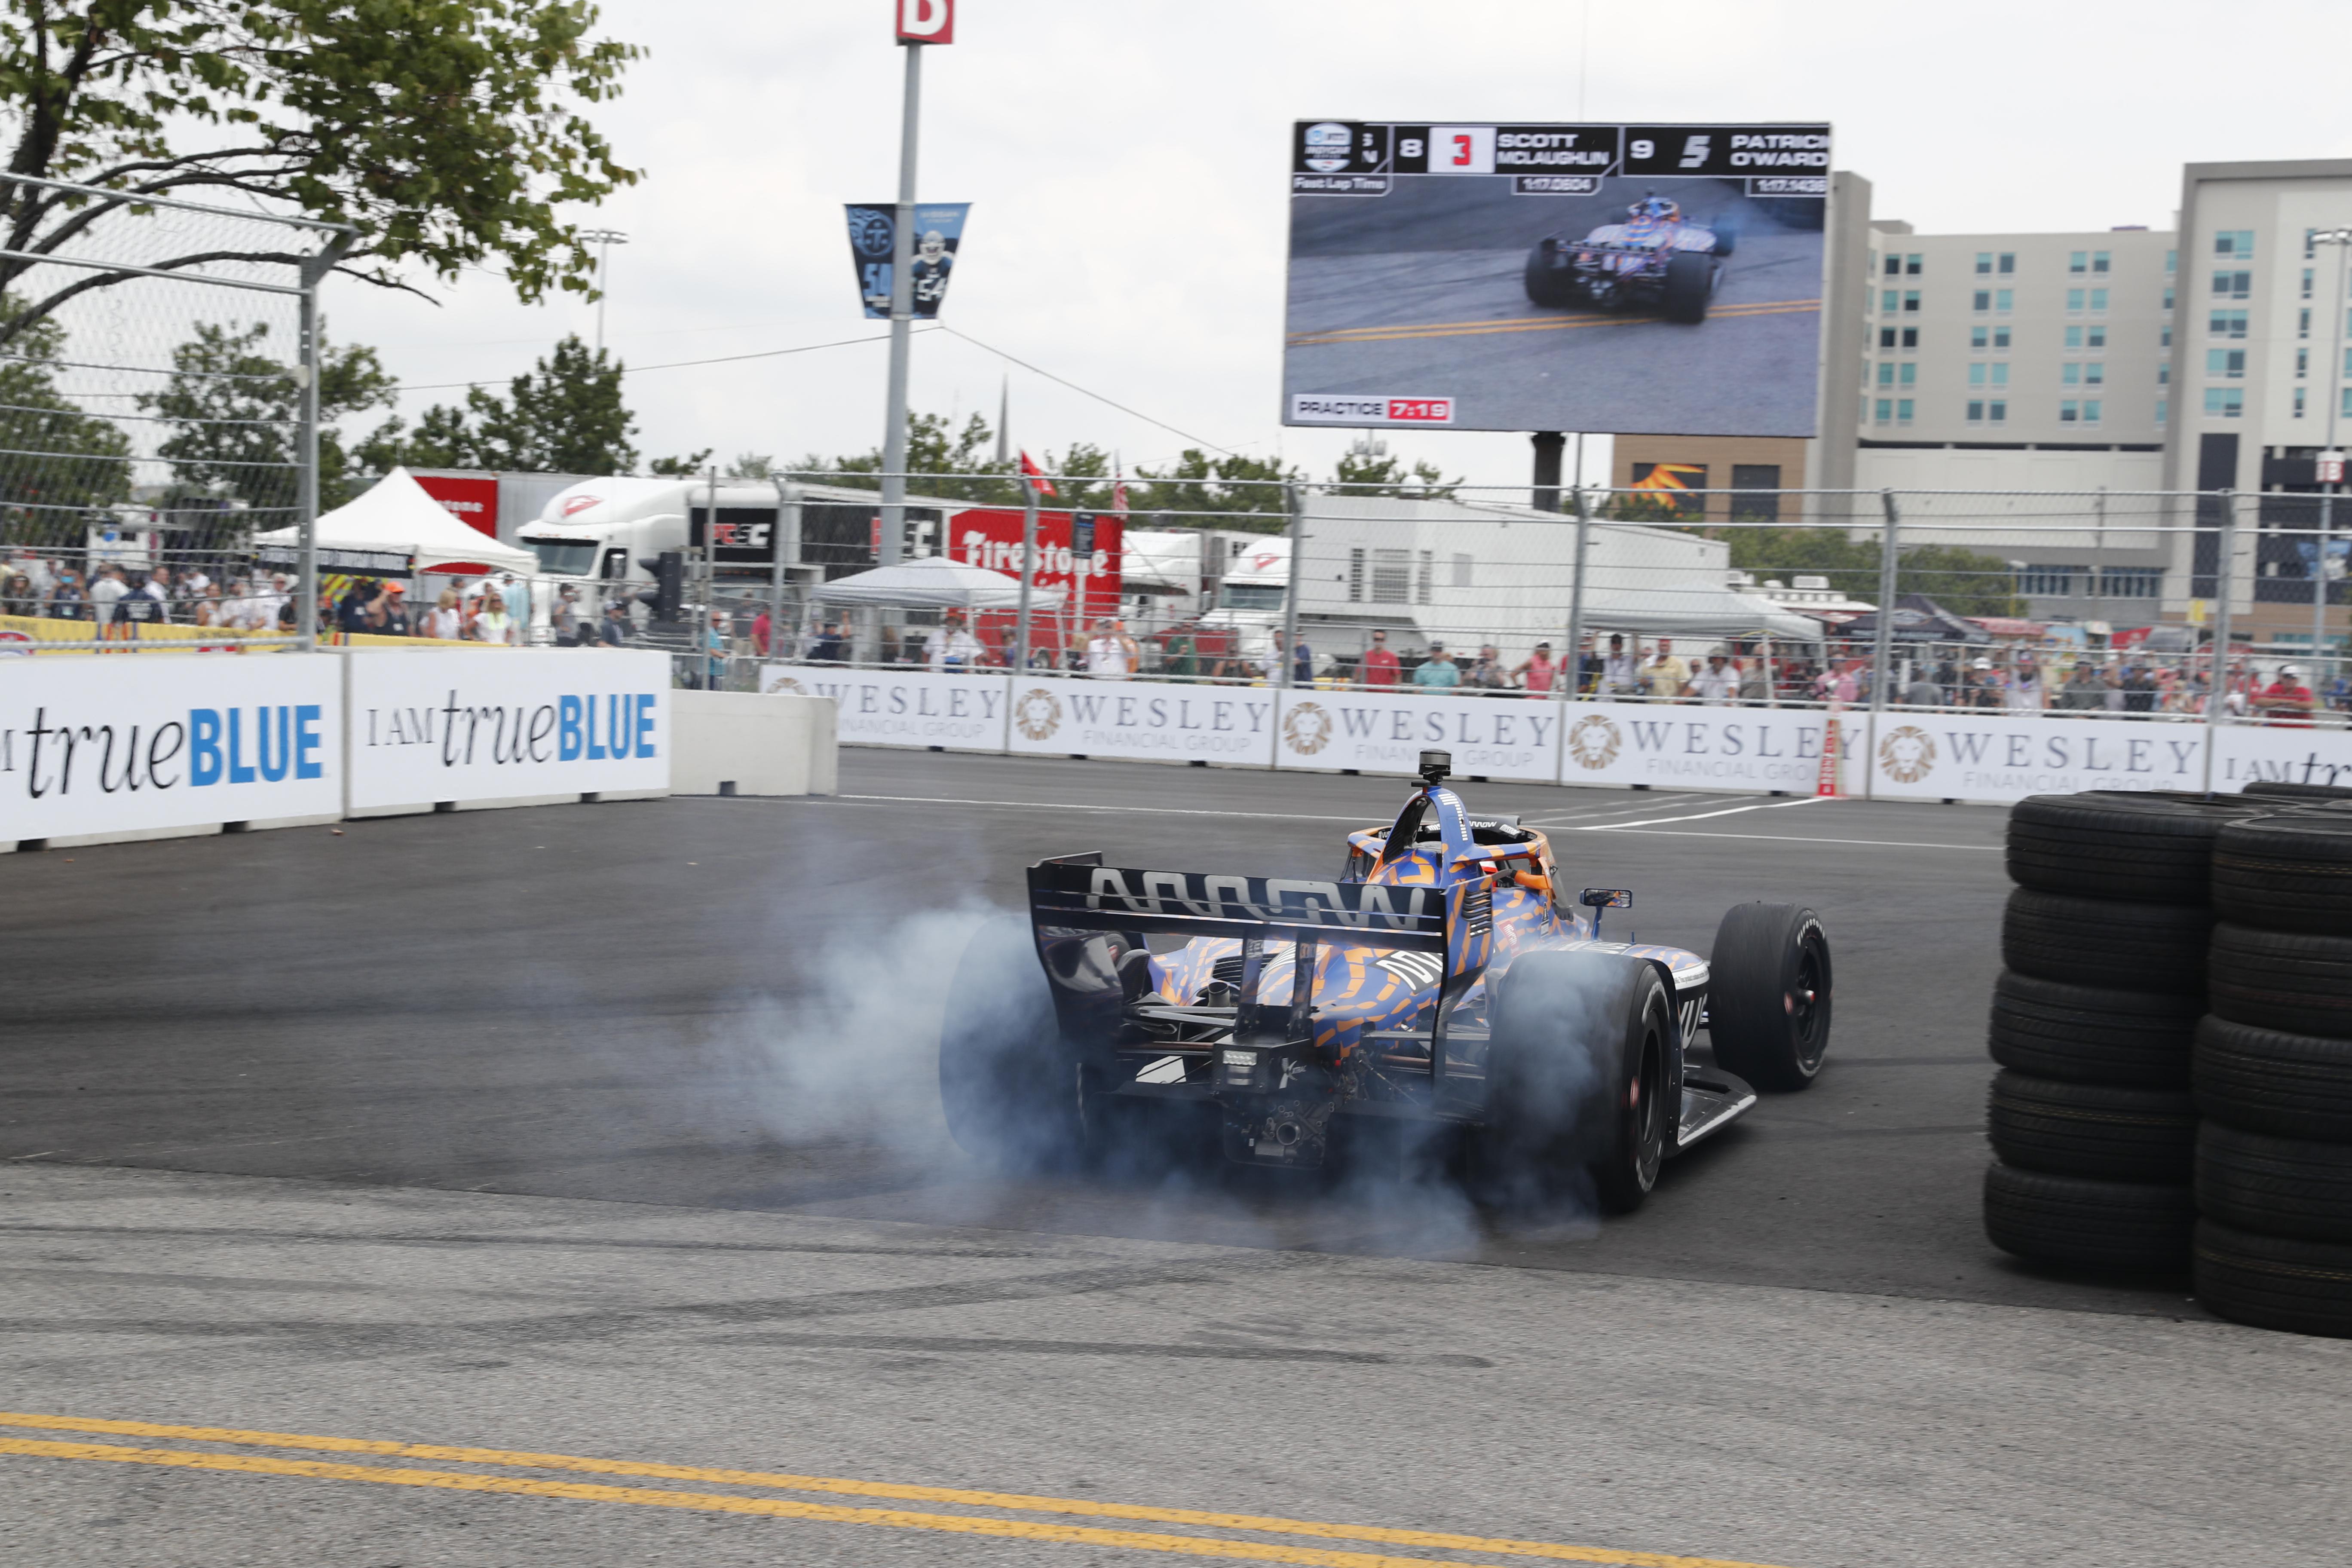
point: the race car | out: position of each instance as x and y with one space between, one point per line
1441 979
1656 258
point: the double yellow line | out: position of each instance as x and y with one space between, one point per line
1039 1530
1536 324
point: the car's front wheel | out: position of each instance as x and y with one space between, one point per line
1768 999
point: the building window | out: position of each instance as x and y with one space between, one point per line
2070 412
2171 262
1889 301
1902 411
1893 265
2075 298
2167 296
2047 582
1984 262
2164 338
1755 489
2237 244
2226 362
2164 375
1886 338
2298 401
2090 373
1910 339
1979 339
2008 262
2233 285
2225 402
2302 363
1354 576
2001 298
2099 261
2344 407
2306 282
1976 411
2080 261
2073 339
1911 300
1895 410
1996 411
2098 302
2303 324
2163 407
1391 576
2095 337
1980 302
1426 577
2131 581
1911 265
2226 324
2091 410
1910 373
1993 374
1886 411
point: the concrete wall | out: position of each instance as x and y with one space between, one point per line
742 743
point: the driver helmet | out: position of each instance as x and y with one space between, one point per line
1653 205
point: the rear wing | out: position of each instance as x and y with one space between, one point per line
1077 892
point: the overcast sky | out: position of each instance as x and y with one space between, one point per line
1127 164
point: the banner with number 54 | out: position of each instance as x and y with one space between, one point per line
872 236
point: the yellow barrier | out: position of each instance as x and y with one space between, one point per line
15 631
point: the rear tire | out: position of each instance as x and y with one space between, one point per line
2077 1223
1008 1086
1769 995
1690 282
1578 1079
1549 285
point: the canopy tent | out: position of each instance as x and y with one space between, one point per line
1696 608
1919 618
935 582
396 517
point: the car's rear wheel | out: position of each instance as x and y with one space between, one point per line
1550 282
1768 997
1578 1079
1008 1086
1690 281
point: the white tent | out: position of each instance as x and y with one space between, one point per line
1694 607
396 517
937 582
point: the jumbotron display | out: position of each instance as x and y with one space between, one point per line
1640 278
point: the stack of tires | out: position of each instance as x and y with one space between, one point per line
2104 945
2274 1073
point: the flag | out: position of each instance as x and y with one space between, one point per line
1036 476
1118 490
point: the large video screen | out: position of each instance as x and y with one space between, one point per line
1660 280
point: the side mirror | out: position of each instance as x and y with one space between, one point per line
1607 898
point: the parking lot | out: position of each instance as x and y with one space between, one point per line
609 1134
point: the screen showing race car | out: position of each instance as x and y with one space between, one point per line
1640 278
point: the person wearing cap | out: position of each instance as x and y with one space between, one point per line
393 609
1439 670
955 650
1718 684
1111 654
1983 688
2286 701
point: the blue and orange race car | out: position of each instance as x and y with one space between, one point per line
1448 983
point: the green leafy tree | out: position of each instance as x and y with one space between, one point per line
565 417
1965 582
56 460
1356 476
750 465
446 131
235 410
948 464
1246 491
693 464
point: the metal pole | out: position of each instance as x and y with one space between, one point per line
2220 672
1028 573
1295 497
2099 558
1882 651
314 272
788 528
2343 242
902 317
1576 597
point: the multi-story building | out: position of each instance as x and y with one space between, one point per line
2064 380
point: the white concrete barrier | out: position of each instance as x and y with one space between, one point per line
743 743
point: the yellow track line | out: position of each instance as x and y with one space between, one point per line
1194 1545
1555 324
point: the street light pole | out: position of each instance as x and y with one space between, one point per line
2331 458
902 315
603 240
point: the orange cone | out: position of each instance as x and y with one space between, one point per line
1826 786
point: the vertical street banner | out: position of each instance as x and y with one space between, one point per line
873 240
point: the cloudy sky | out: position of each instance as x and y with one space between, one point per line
1127 164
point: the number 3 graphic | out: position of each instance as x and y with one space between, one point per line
1461 151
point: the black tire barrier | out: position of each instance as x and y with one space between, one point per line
2095 1129
2105 942
2117 844
2078 1223
2266 1080
2286 789
2274 1186
2291 871
2295 982
2081 1034
2272 1281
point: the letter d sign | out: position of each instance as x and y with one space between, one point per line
926 21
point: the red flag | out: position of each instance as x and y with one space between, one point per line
1119 491
1036 477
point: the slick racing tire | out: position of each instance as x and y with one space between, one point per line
1578 1079
1768 995
1690 282
2105 942
2288 790
2094 1129
2075 1222
1549 284
1007 1085
2291 871
2274 1283
2264 1081
2283 980
1726 238
2082 1035
2277 1186
2116 844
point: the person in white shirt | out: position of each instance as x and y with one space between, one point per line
955 649
1718 684
1621 673
1111 654
493 624
104 594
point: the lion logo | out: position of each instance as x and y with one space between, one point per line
784 684
1306 729
1907 755
1038 713
1594 740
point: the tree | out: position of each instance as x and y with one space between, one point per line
949 465
1234 485
691 466
1965 582
445 130
1356 476
750 465
55 459
234 412
565 417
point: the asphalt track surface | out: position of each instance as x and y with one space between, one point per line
589 1152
